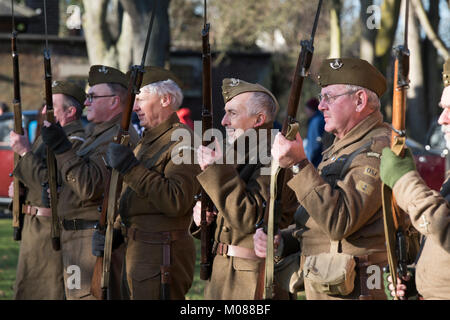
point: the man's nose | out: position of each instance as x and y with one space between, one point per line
225 121
444 118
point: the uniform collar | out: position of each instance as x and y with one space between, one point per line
102 127
150 135
73 126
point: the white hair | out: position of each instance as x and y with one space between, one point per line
261 102
372 98
164 87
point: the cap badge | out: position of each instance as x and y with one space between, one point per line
336 64
103 70
54 84
234 82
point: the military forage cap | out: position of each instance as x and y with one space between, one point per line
104 74
352 71
155 74
231 87
69 89
446 73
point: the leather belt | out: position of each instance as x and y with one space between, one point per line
78 224
235 251
36 211
363 262
156 237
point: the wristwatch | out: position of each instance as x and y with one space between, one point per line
299 166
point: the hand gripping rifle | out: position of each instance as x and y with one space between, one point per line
18 186
51 160
102 269
265 285
392 215
207 119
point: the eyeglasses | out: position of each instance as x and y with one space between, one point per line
91 97
328 99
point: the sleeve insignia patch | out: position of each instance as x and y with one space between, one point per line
371 172
364 187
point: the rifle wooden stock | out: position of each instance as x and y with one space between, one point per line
96 281
51 160
207 120
265 288
17 107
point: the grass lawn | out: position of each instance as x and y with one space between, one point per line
9 251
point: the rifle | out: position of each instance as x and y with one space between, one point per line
51 160
207 119
102 269
18 200
392 214
265 285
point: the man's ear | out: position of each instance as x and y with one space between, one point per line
260 120
166 100
71 111
116 102
361 100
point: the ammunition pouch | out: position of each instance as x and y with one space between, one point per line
331 273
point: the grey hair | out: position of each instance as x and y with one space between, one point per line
372 98
164 87
120 90
69 101
261 102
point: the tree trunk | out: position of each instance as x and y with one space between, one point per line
116 40
431 70
385 36
416 111
429 27
335 29
159 45
368 34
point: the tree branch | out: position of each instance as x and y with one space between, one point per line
426 25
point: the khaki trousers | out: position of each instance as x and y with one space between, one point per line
39 274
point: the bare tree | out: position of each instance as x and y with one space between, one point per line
115 32
429 30
335 29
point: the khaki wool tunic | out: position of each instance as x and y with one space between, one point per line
429 213
240 193
83 173
39 274
158 197
351 212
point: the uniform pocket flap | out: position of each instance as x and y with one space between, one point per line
241 264
144 272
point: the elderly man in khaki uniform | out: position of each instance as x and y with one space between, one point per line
158 193
428 210
83 173
339 224
238 187
39 272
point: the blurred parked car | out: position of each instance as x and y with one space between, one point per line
431 158
29 122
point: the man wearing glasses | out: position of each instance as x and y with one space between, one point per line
339 225
83 173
